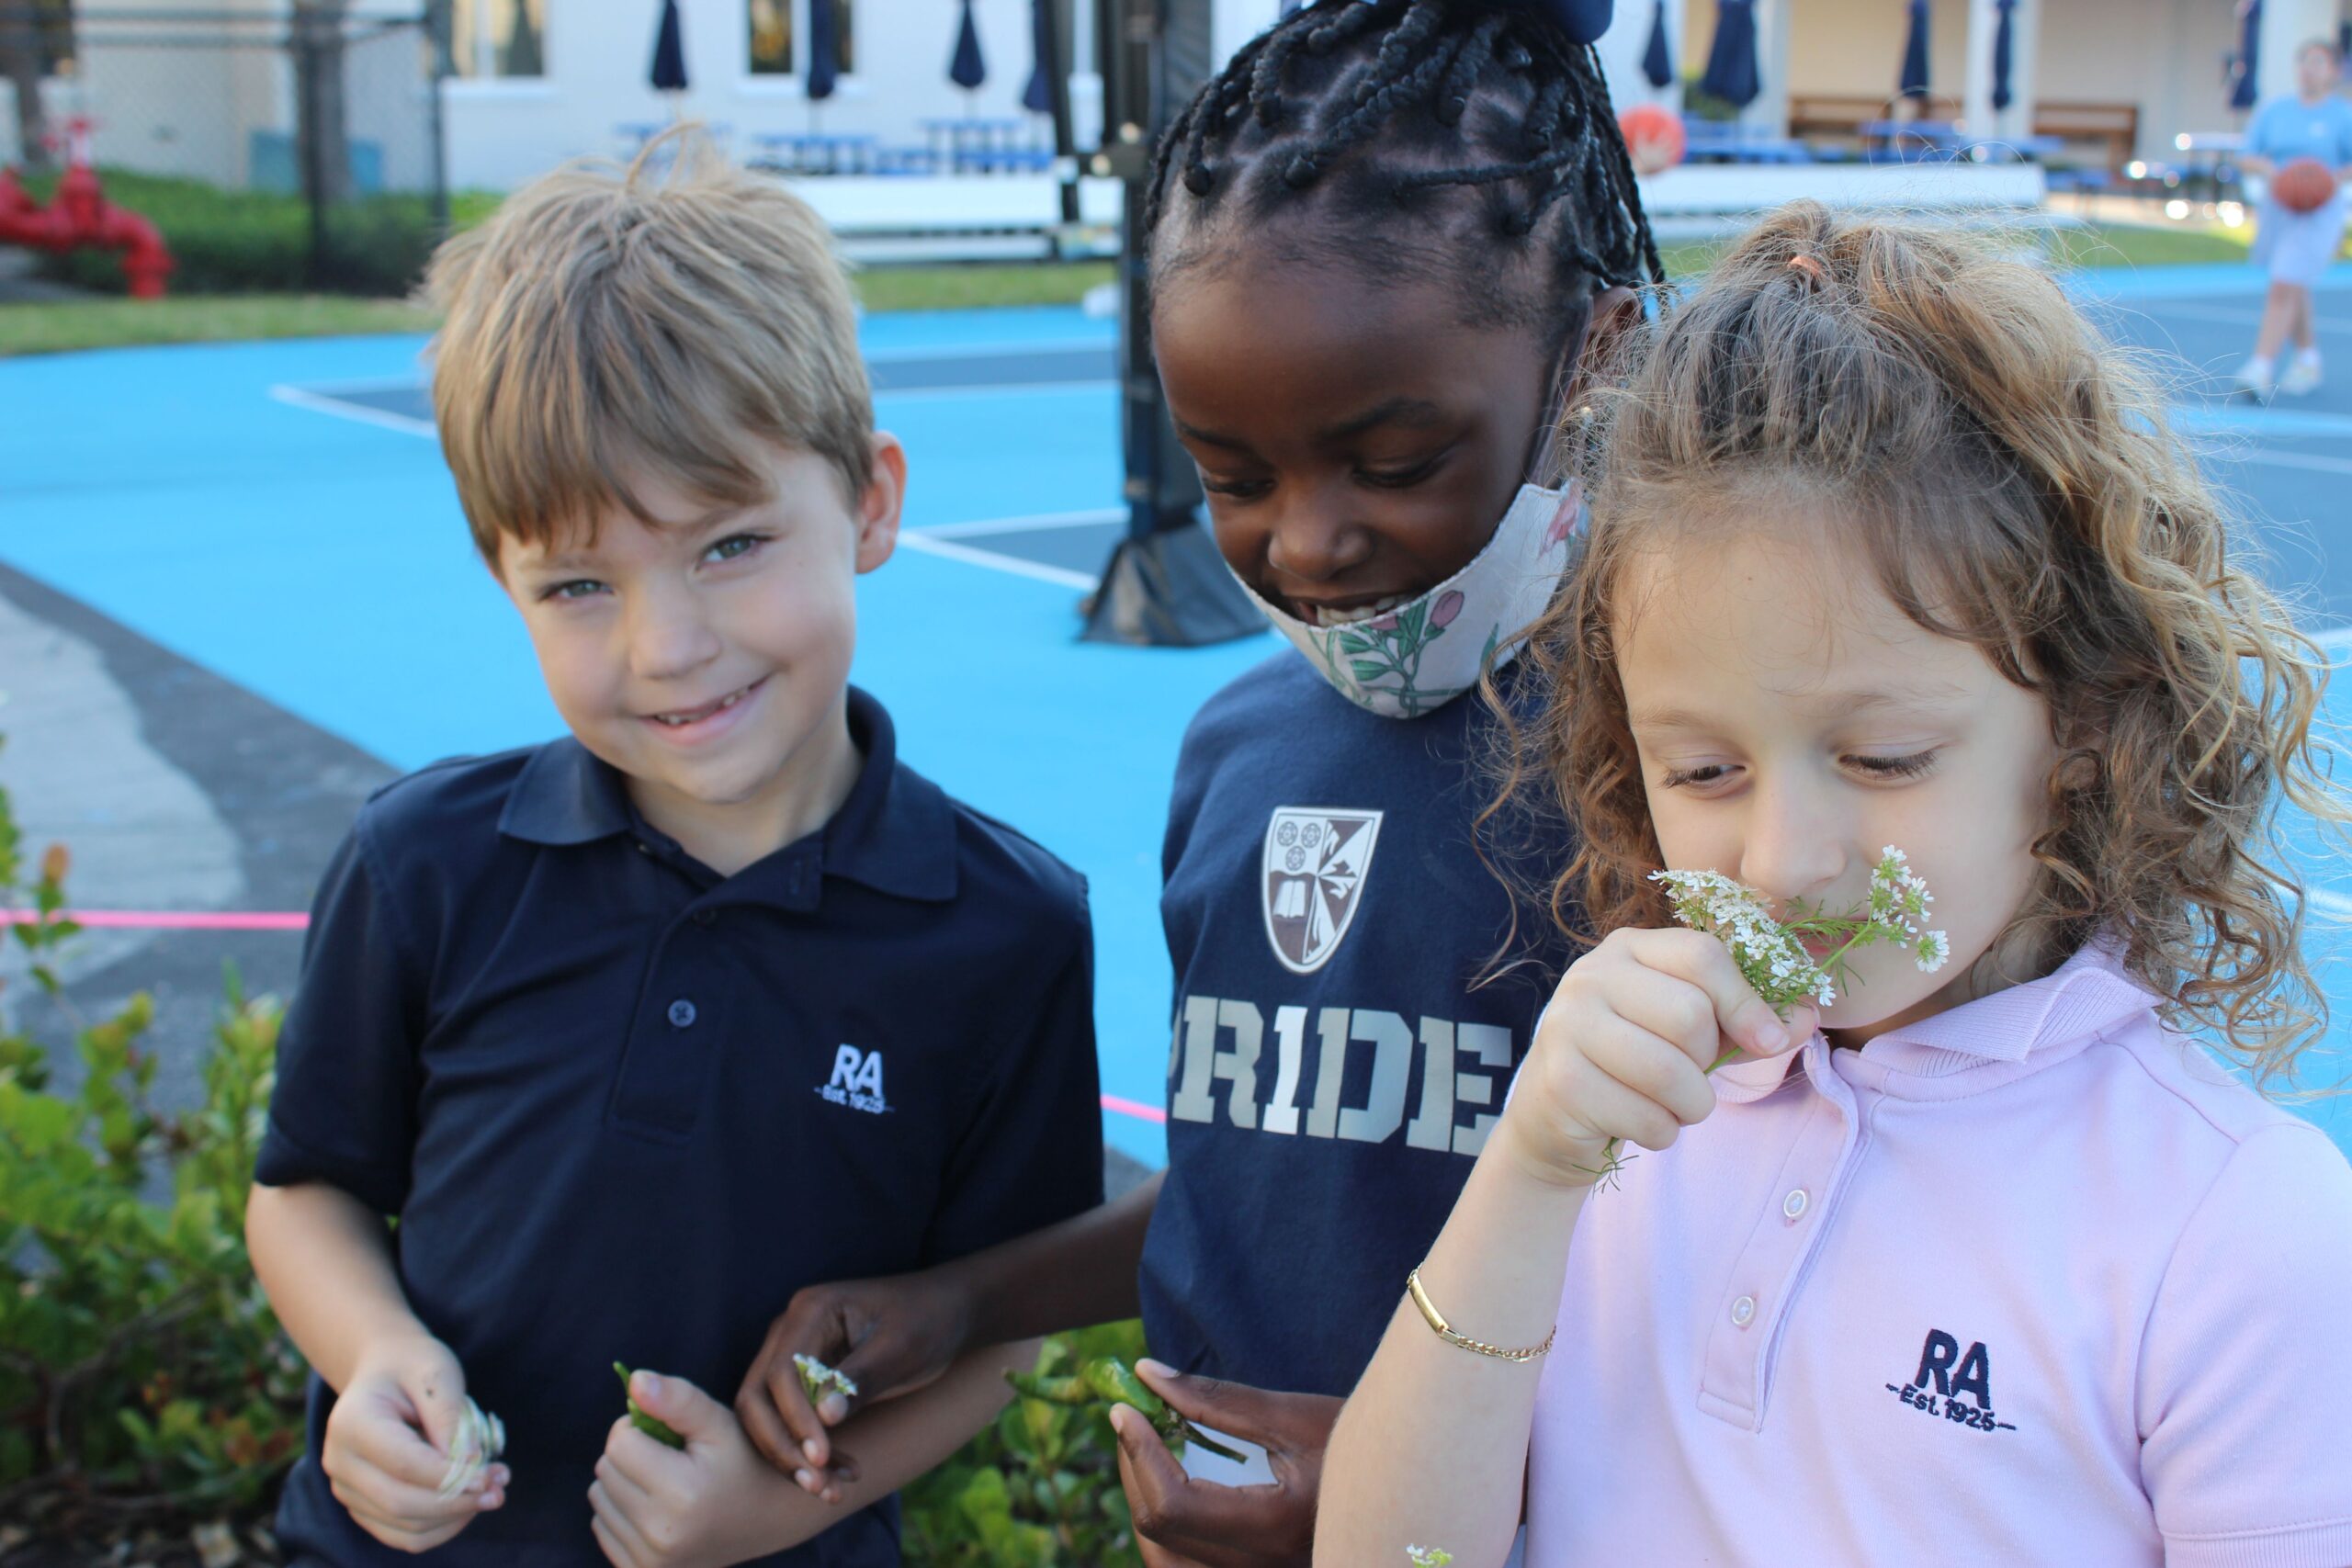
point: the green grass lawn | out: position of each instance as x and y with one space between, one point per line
47 328
54 327
113 322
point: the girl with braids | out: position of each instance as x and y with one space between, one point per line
1380 242
1986 1261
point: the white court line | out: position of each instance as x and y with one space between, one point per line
318 402
1014 565
980 388
2161 309
2268 457
987 350
2337 906
1043 522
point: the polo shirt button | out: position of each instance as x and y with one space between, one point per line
1794 1204
682 1013
1743 1312
705 916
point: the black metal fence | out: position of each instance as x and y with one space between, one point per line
300 148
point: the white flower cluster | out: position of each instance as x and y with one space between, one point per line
1898 904
1768 954
1771 954
1427 1556
817 1379
478 1439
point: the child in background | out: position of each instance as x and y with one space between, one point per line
1992 1264
618 1027
2296 248
1381 241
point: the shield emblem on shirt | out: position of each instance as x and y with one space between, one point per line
1315 861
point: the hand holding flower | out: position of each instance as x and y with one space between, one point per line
1772 955
1623 1051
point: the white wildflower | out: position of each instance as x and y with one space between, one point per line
817 1379
478 1439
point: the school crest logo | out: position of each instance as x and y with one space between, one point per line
1315 861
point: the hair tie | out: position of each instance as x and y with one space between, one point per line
1811 269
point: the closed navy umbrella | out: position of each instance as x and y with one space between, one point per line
967 69
2003 53
1731 61
669 73
2243 90
1037 98
1657 59
1915 55
824 49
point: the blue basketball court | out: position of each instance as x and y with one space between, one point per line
278 515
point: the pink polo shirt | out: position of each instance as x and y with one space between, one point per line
2033 1282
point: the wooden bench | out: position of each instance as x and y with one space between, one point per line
1844 114
2115 128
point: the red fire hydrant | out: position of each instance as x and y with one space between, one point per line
80 215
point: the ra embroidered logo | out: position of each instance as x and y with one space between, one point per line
1315 861
1944 1376
857 1081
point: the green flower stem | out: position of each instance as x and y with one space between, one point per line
1108 1381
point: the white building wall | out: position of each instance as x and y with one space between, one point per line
194 112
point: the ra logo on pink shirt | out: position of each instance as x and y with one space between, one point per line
1944 1375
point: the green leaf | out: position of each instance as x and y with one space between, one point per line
1352 642
1370 668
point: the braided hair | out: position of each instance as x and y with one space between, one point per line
1453 138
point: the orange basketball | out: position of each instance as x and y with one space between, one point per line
2303 185
1653 136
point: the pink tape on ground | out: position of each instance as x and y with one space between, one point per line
171 920
294 920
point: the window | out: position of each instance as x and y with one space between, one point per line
493 38
776 24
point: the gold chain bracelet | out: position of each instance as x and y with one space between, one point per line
1445 1330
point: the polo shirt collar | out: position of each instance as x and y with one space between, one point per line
2085 995
896 833
2089 993
566 794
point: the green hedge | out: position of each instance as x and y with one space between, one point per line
252 242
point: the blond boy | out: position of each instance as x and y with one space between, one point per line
637 1032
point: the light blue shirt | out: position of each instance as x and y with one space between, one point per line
2287 129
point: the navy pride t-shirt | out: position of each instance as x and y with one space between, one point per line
1336 1063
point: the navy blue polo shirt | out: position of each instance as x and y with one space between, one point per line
623 1107
1337 1064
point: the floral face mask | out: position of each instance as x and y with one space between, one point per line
1421 655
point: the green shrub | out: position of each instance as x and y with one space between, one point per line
1039 1488
142 1376
255 241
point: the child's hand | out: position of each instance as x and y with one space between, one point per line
387 1446
694 1508
1181 1520
1624 1050
888 1336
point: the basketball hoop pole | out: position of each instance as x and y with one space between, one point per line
1164 585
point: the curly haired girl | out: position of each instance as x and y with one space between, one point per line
1984 1262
